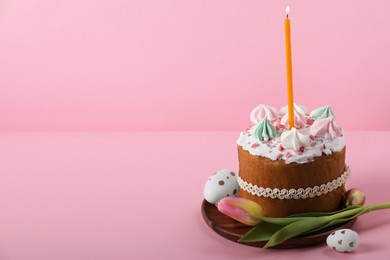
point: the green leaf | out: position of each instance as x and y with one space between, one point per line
338 221
280 221
330 224
320 214
262 232
295 229
297 217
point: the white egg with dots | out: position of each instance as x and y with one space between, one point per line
343 240
221 184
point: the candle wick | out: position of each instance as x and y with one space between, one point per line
287 15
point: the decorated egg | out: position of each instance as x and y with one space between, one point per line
221 184
343 240
354 197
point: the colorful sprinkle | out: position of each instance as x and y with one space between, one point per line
309 121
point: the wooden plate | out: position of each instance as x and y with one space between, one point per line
234 230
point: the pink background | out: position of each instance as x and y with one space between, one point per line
188 65
171 65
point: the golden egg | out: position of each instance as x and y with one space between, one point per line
354 197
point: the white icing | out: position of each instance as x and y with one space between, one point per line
272 149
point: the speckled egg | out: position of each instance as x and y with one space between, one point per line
343 240
354 197
221 184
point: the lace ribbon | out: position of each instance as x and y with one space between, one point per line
301 193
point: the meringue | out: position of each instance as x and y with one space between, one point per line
262 111
264 130
296 139
326 127
299 119
299 108
299 116
322 112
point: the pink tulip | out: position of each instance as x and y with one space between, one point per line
240 209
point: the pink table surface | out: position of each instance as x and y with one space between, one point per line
123 195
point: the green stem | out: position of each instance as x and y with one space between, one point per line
346 213
361 210
380 206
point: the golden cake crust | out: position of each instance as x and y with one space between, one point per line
264 172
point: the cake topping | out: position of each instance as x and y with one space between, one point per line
322 112
262 111
326 127
299 119
299 116
299 108
296 139
264 130
309 139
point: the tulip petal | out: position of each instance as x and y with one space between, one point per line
240 209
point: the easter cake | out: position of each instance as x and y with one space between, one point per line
289 170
